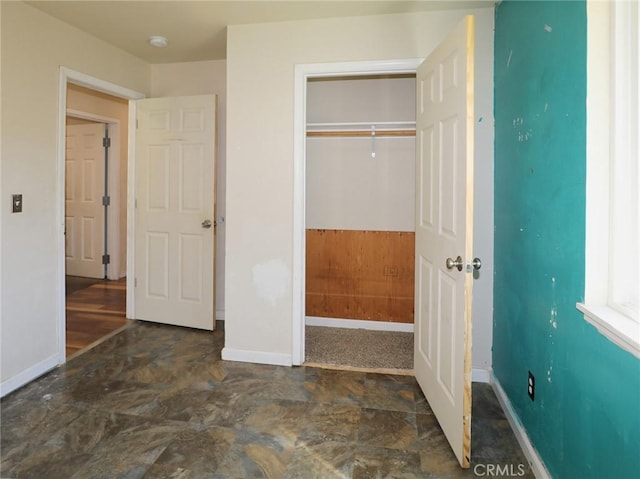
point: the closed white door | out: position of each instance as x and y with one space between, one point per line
174 233
84 190
444 231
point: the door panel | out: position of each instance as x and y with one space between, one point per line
175 168
191 253
84 189
158 172
157 271
444 229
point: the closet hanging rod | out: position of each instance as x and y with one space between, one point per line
362 129
361 133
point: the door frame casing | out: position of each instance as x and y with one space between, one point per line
302 73
67 75
113 218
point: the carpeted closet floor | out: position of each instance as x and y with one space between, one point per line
359 349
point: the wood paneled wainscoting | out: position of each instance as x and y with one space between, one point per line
366 275
94 312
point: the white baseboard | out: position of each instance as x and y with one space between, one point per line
28 375
219 314
537 466
358 324
259 357
480 376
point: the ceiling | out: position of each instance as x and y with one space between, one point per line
197 29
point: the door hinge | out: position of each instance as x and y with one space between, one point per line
106 200
106 259
135 282
106 142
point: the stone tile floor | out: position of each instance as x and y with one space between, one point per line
157 401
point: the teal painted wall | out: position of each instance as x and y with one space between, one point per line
585 420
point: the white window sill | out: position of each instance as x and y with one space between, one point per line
620 329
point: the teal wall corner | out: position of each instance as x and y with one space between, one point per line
585 419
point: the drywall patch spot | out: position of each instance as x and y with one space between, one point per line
548 28
272 280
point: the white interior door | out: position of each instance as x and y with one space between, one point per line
174 233
444 229
84 189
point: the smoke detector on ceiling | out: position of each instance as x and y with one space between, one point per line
158 41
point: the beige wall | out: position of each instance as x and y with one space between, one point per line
361 99
78 121
89 101
201 78
34 46
261 61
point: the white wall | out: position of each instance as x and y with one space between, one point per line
483 199
34 46
260 93
202 78
346 188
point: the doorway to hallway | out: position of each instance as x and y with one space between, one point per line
95 311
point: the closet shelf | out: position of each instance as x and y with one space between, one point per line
387 128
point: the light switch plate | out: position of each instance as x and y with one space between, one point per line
17 203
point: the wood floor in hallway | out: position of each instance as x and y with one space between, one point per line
94 312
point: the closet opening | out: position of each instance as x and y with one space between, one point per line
359 221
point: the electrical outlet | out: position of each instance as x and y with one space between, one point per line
16 203
531 386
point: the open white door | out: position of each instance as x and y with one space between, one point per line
84 189
444 230
174 232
